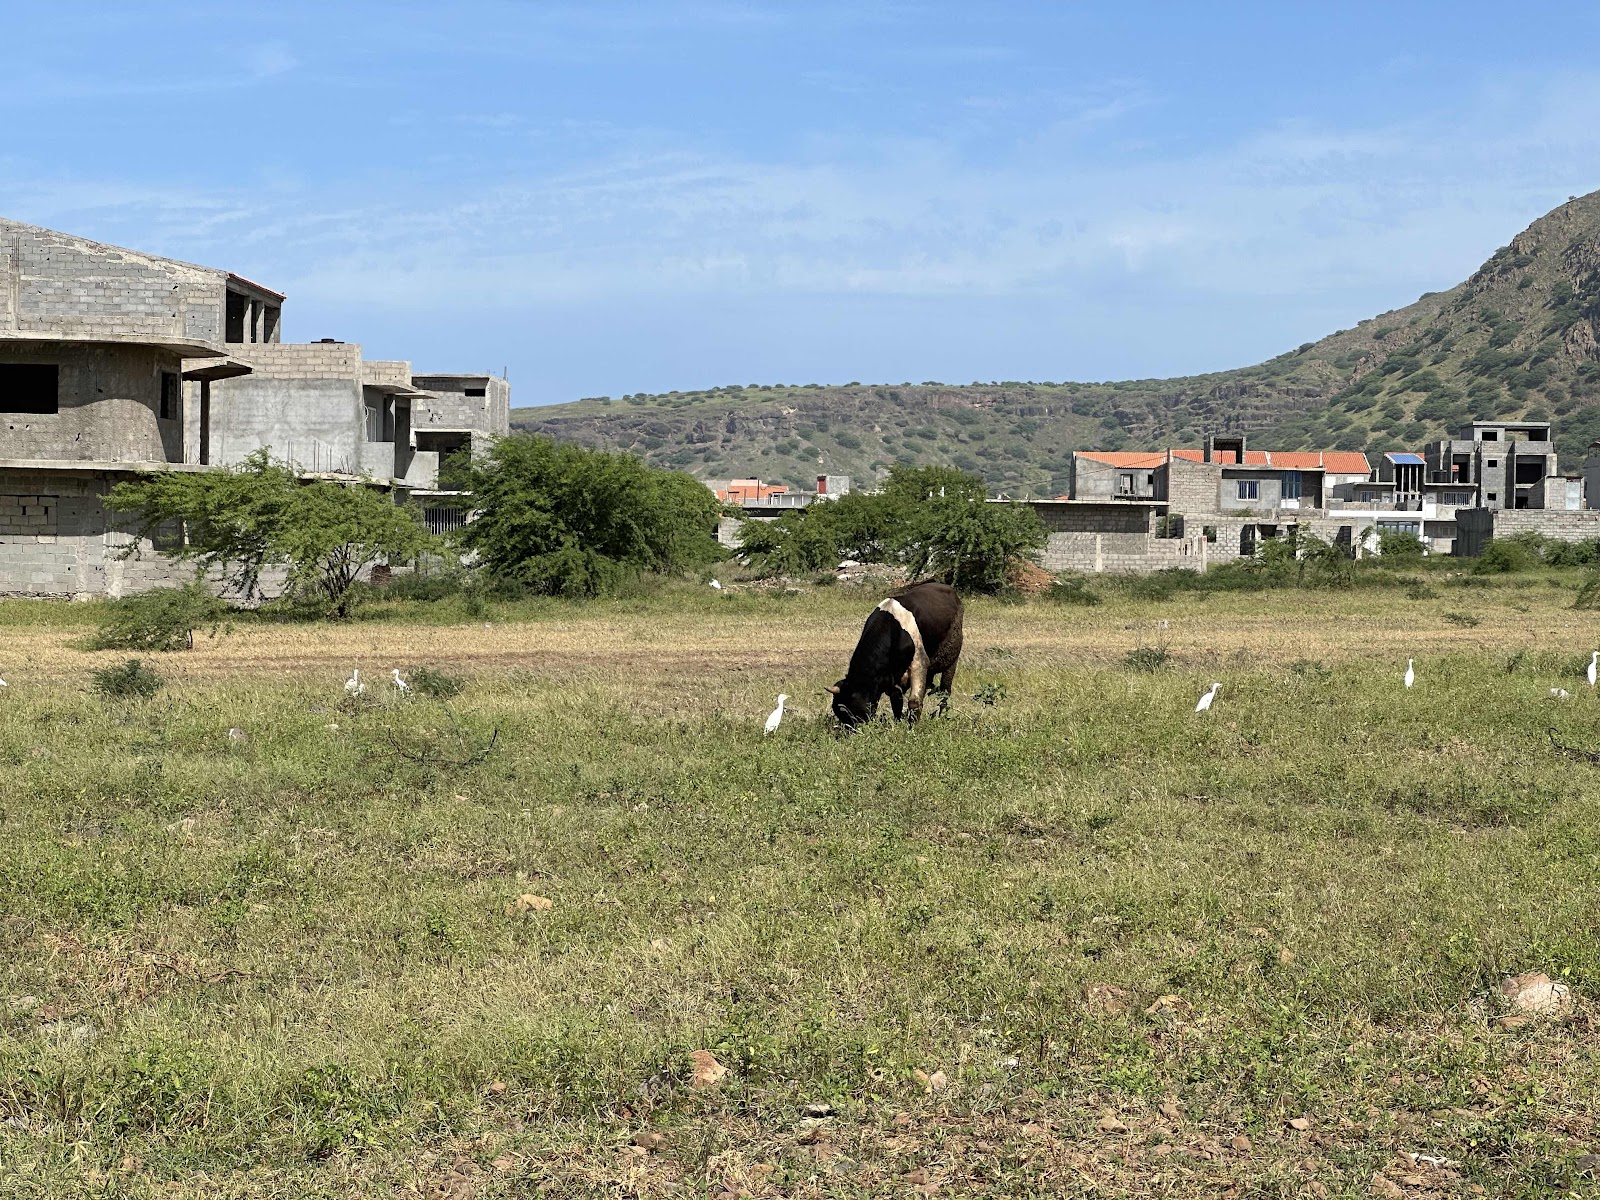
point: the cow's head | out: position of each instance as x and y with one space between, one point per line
852 707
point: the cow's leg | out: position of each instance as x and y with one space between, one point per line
897 702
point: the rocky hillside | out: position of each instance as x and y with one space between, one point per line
1521 337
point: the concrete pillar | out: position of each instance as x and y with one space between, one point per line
1099 559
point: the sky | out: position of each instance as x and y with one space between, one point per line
604 199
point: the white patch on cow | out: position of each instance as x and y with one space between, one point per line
917 677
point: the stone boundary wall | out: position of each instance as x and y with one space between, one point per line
1476 527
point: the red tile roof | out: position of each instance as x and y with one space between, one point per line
1340 462
1126 458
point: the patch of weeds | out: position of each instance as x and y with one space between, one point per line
340 1111
1310 668
1420 591
1071 591
435 684
1465 620
130 679
1515 661
158 620
990 694
1146 658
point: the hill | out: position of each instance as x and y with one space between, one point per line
1521 337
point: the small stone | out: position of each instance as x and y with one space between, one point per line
1535 994
1110 1124
938 1081
817 1109
649 1139
1241 1143
497 1088
707 1071
1587 1164
1170 1110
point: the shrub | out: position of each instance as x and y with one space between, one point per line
1146 658
1505 555
158 620
559 519
1395 548
128 680
439 685
1071 591
1465 620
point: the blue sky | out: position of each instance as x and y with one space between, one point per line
616 198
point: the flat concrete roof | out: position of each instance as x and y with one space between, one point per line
57 464
186 347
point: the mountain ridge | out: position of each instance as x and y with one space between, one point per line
1520 337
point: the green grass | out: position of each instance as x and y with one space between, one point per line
281 963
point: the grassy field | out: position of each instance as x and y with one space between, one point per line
257 940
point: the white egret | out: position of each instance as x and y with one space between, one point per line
717 584
1411 675
353 686
1560 694
3 683
776 717
1205 701
1593 659
400 684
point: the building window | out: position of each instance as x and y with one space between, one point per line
1455 498
29 388
1494 462
1124 485
1249 489
1291 485
374 429
169 396
1489 435
1494 496
475 392
1414 527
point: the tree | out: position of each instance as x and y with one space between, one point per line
562 520
933 520
245 520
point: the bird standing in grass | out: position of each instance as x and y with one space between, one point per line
353 686
776 717
400 684
3 683
1205 701
717 584
1589 674
1411 675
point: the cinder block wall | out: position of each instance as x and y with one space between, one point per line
54 283
303 402
109 404
449 407
57 539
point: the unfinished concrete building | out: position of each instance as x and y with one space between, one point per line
115 363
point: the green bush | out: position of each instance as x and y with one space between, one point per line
158 620
427 681
1503 556
1071 591
1146 658
1400 548
128 680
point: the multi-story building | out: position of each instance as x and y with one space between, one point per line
115 363
1505 464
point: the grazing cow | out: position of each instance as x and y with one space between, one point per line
910 637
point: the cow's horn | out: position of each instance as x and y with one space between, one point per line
833 689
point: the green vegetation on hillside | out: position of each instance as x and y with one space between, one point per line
1521 337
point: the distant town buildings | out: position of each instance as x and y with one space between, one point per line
115 364
1192 507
